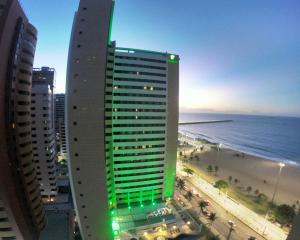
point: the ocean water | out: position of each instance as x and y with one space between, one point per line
275 138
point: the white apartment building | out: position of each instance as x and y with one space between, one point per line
43 130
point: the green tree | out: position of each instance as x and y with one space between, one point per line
188 171
209 168
202 204
189 195
256 192
285 214
221 184
249 189
230 179
261 198
216 169
180 184
212 218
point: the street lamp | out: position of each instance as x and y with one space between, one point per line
219 146
281 166
231 228
218 153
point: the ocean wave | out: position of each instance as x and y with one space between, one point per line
246 148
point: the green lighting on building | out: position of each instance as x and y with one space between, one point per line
137 141
111 21
173 58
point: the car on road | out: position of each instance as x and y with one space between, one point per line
205 212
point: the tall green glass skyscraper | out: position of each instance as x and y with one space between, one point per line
121 122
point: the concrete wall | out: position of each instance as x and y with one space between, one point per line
85 117
19 189
172 125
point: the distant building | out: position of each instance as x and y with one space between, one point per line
43 130
22 215
60 123
122 123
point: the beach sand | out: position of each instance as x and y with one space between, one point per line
253 171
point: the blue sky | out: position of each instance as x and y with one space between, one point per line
236 56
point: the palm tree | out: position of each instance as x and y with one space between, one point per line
216 169
210 168
188 171
256 192
249 189
230 179
202 204
236 180
189 195
180 184
212 218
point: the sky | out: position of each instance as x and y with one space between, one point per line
236 56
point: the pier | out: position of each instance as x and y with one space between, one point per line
205 122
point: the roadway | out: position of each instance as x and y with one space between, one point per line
220 225
254 221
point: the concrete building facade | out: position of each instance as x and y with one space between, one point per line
60 124
43 130
141 124
121 123
22 215
85 117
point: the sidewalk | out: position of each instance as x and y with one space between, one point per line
247 216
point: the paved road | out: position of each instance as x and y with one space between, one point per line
247 216
241 232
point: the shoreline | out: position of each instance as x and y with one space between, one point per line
257 172
207 140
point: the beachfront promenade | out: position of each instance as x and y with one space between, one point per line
259 224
